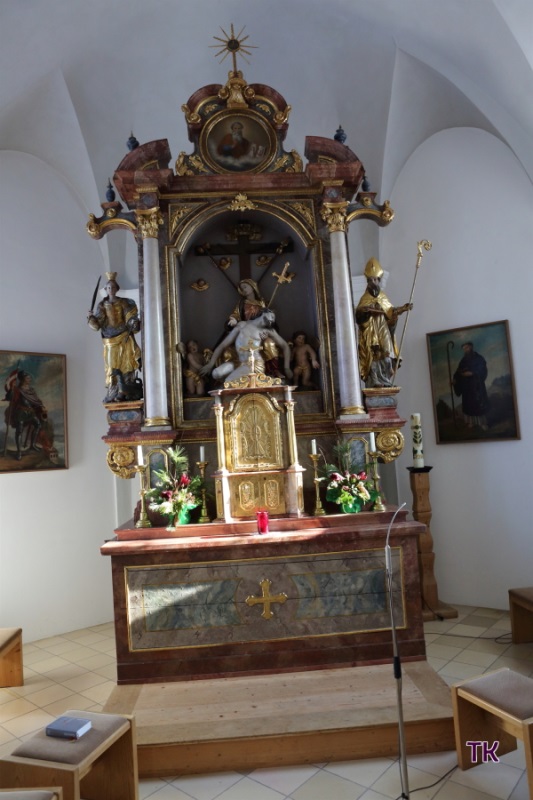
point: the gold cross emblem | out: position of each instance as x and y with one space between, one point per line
266 598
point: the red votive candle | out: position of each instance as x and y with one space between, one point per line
262 521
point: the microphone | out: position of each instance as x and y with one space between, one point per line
388 557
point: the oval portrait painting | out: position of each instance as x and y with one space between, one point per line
239 143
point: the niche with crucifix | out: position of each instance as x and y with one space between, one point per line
239 266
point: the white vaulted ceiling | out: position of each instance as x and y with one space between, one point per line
84 74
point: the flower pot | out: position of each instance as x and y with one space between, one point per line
181 518
351 508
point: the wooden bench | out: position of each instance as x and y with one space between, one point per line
11 673
53 793
521 613
493 708
100 765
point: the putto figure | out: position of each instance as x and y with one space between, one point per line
304 360
117 319
377 318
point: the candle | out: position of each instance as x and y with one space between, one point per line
140 460
418 445
372 442
313 446
202 453
262 521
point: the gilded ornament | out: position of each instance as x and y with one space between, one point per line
282 160
304 211
148 222
334 215
181 166
111 212
92 227
389 444
192 117
121 461
197 162
200 285
176 215
264 107
241 203
297 163
236 92
281 117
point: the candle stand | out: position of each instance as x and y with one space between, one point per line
378 503
204 516
432 607
319 511
143 521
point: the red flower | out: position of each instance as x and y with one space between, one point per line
166 495
362 476
184 481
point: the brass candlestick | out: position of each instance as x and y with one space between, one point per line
378 504
204 517
319 511
143 521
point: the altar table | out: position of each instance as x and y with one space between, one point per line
220 600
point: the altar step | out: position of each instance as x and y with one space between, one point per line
223 724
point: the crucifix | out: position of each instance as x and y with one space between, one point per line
266 598
244 242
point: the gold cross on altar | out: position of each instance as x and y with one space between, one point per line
266 599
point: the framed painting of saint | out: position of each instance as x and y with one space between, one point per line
33 412
472 384
238 142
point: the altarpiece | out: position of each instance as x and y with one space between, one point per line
235 228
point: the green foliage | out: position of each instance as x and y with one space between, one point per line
175 489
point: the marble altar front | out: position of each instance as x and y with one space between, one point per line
220 600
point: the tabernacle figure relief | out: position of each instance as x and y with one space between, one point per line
248 336
377 319
117 319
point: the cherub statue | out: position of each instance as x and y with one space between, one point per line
194 360
304 360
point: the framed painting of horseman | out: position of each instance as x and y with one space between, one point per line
33 412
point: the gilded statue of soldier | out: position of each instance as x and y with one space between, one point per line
376 318
117 319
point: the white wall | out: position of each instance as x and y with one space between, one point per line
467 193
52 576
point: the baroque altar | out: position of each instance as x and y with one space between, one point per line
249 361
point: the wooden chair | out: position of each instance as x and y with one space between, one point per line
11 673
493 708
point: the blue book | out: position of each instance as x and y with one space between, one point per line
68 727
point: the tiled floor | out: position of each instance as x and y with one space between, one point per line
77 670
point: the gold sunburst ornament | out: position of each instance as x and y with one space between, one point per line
233 45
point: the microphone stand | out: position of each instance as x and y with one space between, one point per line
404 779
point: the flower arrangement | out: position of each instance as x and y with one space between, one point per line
347 485
176 492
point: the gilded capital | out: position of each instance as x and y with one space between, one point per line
334 215
148 222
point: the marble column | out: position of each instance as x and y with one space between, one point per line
351 397
154 373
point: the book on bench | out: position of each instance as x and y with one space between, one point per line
68 727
